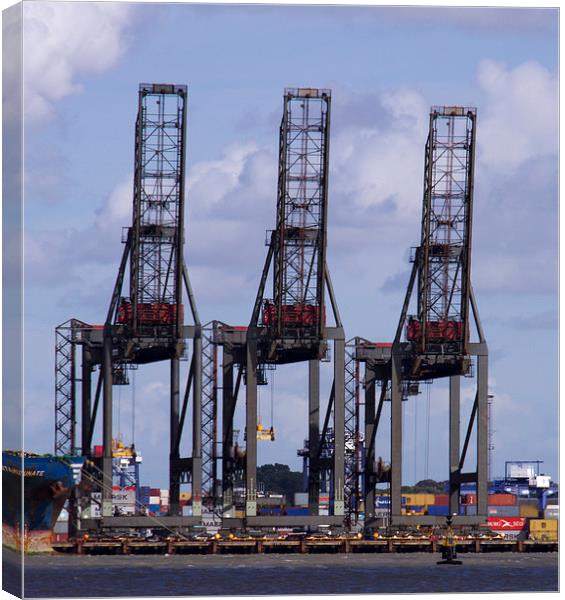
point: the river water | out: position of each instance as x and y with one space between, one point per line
185 575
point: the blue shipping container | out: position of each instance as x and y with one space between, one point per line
296 511
437 510
270 510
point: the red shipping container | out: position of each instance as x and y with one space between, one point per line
506 523
502 500
441 500
98 451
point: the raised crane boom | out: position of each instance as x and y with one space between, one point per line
156 263
443 259
299 241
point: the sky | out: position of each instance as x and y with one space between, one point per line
386 66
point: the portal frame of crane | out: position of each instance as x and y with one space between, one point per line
384 368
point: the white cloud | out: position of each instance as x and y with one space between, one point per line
208 182
64 41
372 165
519 121
503 20
11 42
117 208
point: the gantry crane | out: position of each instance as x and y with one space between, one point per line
145 325
437 340
290 325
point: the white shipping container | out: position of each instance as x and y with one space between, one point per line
165 493
187 510
91 512
551 512
61 527
123 497
154 500
64 515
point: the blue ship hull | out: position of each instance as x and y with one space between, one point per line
34 491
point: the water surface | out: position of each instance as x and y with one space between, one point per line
186 575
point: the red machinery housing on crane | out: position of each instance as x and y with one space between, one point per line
438 331
154 313
293 315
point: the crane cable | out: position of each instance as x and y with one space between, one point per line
415 439
119 433
133 409
272 400
104 486
427 445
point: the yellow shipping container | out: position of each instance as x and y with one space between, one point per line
527 510
544 530
419 499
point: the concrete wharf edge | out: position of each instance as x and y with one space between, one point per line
128 546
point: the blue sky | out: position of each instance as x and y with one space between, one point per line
386 67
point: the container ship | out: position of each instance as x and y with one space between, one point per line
31 507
